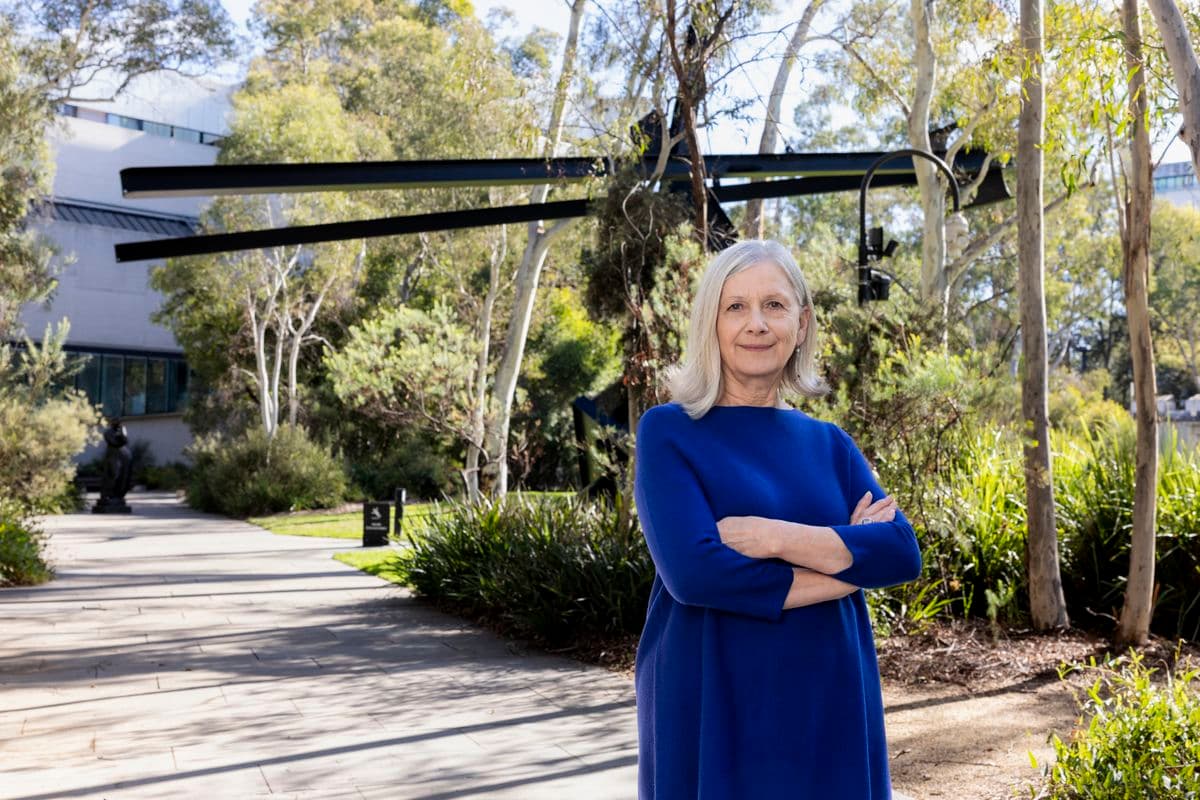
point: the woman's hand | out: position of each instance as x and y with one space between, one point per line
751 536
880 511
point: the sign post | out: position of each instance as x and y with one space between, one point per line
376 522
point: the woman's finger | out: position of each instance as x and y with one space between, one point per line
863 502
880 505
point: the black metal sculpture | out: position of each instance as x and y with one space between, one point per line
796 174
118 473
787 174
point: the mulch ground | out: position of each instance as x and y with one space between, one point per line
978 656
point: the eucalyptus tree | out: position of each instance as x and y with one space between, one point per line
1177 41
1134 624
1047 604
537 246
276 293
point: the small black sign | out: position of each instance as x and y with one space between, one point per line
376 522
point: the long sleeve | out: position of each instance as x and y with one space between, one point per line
885 553
694 565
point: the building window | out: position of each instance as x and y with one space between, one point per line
156 385
146 126
187 135
132 385
124 122
112 386
135 386
156 129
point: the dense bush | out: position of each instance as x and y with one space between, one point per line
20 547
42 425
551 569
1094 495
1141 739
401 461
973 536
168 477
253 474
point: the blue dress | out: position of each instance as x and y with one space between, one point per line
738 699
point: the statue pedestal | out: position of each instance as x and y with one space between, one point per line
111 505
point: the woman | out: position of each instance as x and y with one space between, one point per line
756 674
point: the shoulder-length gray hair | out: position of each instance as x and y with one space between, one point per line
696 382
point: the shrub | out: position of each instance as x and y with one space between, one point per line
402 461
42 425
552 569
976 536
168 477
21 561
253 474
1094 495
1141 740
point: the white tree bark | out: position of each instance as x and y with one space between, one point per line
1134 625
770 135
1046 602
478 428
1182 56
530 270
934 286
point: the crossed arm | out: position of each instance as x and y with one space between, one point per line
816 552
699 560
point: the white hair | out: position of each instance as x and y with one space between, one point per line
696 382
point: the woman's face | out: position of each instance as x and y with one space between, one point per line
759 323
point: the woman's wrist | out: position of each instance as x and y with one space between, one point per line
814 547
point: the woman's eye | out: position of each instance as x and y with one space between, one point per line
734 306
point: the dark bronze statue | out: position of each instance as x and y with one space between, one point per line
118 473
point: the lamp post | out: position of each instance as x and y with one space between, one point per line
871 284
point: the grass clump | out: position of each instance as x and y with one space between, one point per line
1141 738
550 569
21 562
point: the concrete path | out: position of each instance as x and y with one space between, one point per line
179 655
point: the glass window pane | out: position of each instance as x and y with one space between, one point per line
113 386
156 386
157 129
87 380
183 384
187 135
177 385
135 386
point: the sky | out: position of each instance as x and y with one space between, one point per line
753 81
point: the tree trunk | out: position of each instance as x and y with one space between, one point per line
688 70
1182 56
262 373
934 286
478 412
753 228
1134 625
530 270
1046 602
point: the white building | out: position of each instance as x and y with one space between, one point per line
134 368
1176 183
